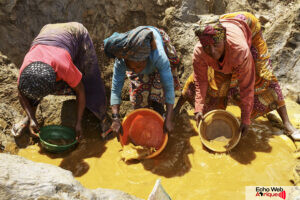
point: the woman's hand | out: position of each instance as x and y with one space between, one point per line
78 130
198 118
168 126
244 129
116 126
34 127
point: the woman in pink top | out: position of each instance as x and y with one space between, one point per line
231 62
61 61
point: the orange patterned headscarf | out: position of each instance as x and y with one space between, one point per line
210 33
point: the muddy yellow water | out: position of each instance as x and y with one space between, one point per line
187 170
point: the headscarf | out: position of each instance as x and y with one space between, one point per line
134 45
210 33
37 80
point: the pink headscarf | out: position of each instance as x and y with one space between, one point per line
210 33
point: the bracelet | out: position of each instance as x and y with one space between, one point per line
115 116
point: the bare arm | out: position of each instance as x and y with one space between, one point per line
30 112
80 98
168 124
116 125
29 109
115 109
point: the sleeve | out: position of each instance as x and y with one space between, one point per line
117 82
161 61
246 77
187 84
200 79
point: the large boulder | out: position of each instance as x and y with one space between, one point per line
24 179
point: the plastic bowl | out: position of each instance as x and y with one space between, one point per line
219 130
55 132
144 127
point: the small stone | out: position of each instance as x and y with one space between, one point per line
3 124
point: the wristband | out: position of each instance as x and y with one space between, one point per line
115 116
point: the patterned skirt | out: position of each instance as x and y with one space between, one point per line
146 89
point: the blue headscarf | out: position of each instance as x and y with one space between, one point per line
134 45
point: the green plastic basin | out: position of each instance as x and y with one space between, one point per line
51 133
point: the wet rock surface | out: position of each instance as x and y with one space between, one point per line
18 180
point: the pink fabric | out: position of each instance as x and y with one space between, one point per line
58 58
237 59
212 34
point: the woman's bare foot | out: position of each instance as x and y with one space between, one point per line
289 127
18 128
293 132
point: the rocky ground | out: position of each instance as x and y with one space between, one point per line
21 20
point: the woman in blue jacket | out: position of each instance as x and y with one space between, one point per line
147 57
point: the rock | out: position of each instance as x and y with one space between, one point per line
24 179
3 124
263 19
22 21
296 175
